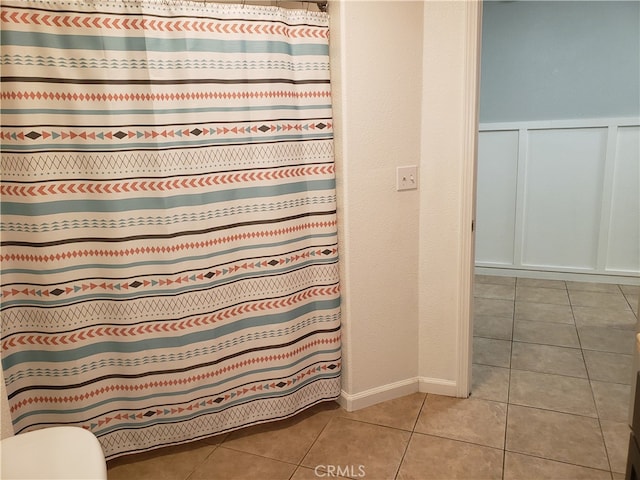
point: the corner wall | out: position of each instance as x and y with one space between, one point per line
376 55
403 94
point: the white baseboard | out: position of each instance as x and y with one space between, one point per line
438 386
378 394
501 271
383 393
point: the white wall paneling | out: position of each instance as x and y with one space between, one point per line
623 242
560 196
496 211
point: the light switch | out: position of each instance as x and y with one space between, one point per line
407 178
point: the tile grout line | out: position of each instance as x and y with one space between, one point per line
215 447
506 418
593 396
299 465
413 430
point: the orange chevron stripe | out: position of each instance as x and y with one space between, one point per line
99 22
230 313
161 185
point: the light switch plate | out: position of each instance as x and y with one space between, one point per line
407 178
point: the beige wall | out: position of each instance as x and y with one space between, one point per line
403 76
376 50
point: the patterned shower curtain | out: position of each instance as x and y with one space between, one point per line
169 250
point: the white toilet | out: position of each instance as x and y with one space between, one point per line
52 453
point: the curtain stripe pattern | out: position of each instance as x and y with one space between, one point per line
169 246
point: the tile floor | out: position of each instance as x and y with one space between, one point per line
551 387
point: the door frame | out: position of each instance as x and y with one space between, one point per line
468 198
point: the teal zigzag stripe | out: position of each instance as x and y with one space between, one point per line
151 203
12 360
162 220
170 357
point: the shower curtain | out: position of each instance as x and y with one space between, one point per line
169 249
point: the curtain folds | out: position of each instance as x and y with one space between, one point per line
169 246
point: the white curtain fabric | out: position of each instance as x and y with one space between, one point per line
169 249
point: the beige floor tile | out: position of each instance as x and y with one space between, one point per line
490 326
559 334
630 289
542 295
541 283
617 476
170 463
490 290
490 383
524 467
609 367
216 439
632 295
608 301
233 465
616 439
348 442
548 359
543 312
556 436
633 301
593 287
612 400
493 306
603 317
489 351
471 420
399 413
286 440
605 339
304 473
552 392
440 458
495 279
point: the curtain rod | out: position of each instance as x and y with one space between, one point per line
321 4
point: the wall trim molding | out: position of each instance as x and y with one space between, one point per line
600 122
390 391
438 386
499 271
383 393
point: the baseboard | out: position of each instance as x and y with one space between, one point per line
390 391
379 394
630 279
438 386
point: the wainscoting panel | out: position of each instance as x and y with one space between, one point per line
497 189
562 197
559 196
623 252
